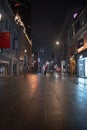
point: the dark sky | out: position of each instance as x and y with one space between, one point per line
47 19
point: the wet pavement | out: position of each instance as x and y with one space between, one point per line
73 78
38 102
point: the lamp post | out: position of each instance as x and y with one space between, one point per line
56 51
25 61
60 56
25 56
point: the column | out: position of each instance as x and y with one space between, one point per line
17 69
11 67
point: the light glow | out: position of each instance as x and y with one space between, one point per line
0 17
75 15
57 43
19 22
81 56
25 50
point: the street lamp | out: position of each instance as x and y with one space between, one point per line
25 61
57 43
25 50
56 52
60 56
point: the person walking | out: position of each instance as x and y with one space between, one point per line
44 69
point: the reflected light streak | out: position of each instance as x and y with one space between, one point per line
33 84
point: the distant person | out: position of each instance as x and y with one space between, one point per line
45 69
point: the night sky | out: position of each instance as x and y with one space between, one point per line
47 20
44 19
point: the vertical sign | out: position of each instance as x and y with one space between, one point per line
4 39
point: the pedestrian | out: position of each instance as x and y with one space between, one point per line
44 69
45 72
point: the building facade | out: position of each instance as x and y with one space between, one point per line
12 59
75 32
81 42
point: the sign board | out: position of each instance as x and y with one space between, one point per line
4 39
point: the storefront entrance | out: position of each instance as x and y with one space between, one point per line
82 67
4 69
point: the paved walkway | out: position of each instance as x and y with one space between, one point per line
73 78
38 102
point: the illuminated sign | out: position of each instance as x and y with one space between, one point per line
75 15
81 56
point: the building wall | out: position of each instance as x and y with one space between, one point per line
75 29
10 57
81 38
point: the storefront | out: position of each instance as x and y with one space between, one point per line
82 57
9 66
4 68
82 66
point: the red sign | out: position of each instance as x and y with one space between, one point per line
4 39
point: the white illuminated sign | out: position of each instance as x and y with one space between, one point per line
81 56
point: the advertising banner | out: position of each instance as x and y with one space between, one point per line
4 39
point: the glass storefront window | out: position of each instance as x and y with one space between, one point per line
86 67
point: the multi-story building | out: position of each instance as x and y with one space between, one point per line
13 59
25 45
74 37
80 36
